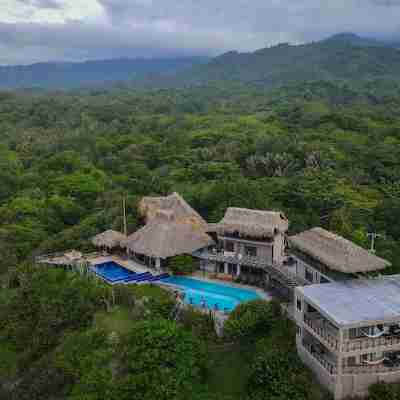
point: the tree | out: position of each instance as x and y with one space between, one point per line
181 264
252 319
161 361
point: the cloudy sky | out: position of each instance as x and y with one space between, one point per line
43 30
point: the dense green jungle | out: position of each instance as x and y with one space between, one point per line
324 152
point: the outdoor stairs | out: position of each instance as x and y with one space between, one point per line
285 277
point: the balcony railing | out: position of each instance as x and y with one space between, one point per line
320 358
325 336
281 272
369 343
231 258
348 346
369 369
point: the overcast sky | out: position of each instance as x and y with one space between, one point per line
56 30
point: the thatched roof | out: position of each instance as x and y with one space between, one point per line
336 252
108 239
166 236
183 212
252 223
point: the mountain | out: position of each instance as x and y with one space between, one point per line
90 73
343 57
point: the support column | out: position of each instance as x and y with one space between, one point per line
226 270
238 270
158 263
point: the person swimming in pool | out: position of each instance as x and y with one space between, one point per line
203 302
191 300
216 306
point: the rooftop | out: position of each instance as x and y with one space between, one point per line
358 301
183 212
165 236
253 223
336 252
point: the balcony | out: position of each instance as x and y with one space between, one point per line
282 273
325 333
231 258
370 369
368 343
318 354
328 334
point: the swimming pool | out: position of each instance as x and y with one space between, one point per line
198 291
112 272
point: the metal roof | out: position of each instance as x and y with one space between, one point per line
359 301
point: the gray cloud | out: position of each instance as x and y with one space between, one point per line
182 27
44 4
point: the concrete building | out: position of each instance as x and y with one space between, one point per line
348 333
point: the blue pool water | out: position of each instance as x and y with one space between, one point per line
197 291
112 272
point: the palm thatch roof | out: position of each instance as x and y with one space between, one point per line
166 236
108 239
336 252
183 212
251 223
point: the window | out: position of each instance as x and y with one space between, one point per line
298 304
229 246
250 251
353 334
309 275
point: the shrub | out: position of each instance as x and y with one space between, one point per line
385 391
201 325
182 265
254 318
278 375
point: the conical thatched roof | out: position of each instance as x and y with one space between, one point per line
253 223
183 212
336 252
166 236
108 239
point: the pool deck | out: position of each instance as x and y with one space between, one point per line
129 264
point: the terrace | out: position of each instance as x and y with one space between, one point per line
282 273
320 354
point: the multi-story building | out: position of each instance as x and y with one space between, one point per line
348 333
248 242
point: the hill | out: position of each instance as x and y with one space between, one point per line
90 73
343 57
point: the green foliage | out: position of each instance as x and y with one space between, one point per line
200 324
148 301
278 375
162 361
325 153
385 391
181 264
252 319
45 304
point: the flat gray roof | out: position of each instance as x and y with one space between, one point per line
357 301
